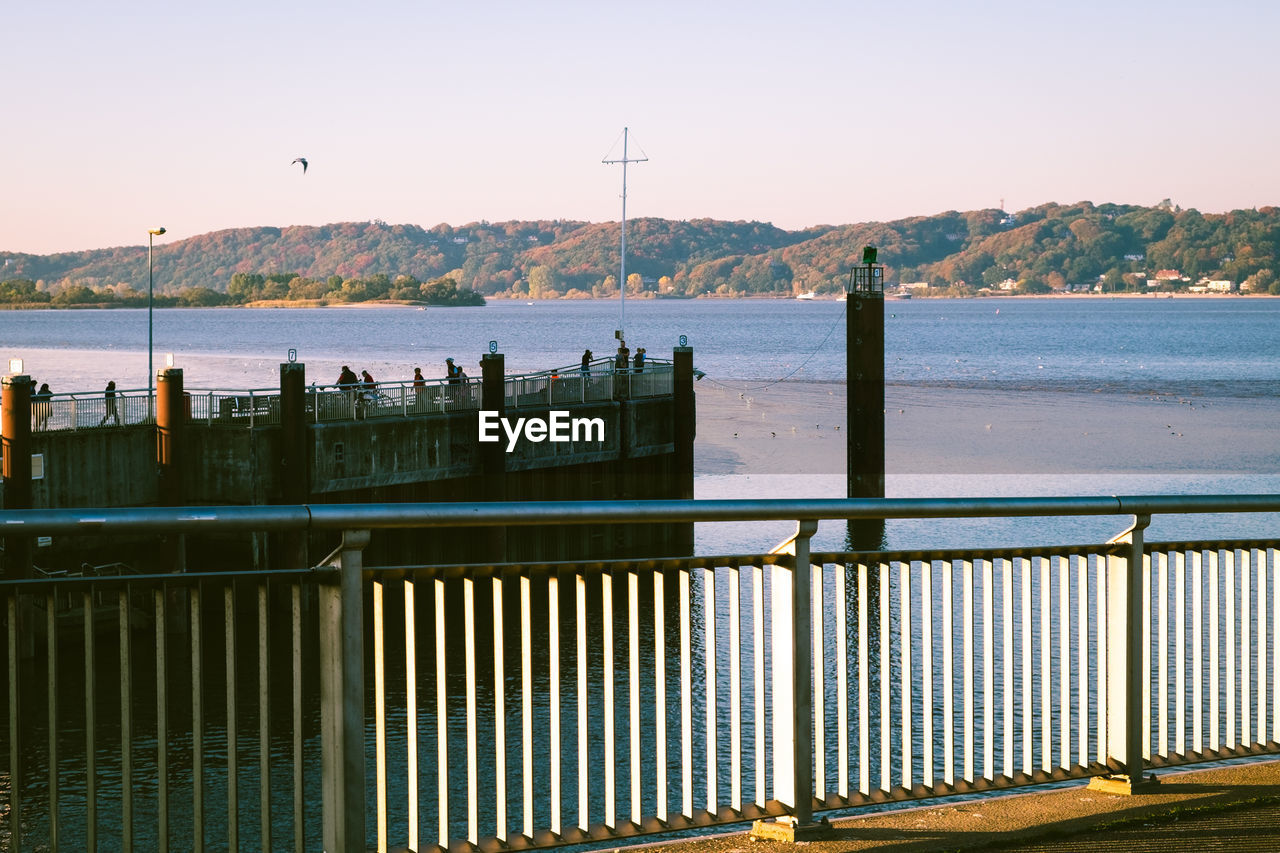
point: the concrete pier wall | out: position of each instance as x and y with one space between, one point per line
414 458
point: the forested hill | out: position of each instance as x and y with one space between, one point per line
1051 247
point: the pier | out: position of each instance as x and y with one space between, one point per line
518 704
304 443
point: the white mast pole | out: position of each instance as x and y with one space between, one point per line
622 285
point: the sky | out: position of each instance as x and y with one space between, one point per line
120 117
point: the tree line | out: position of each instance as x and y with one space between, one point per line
1046 248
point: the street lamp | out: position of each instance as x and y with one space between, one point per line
152 233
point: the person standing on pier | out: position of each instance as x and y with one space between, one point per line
586 362
43 405
109 399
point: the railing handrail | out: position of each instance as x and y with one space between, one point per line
385 515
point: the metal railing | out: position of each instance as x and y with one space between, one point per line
586 701
90 410
327 403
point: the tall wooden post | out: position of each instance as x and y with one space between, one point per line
493 456
864 347
15 443
295 458
171 416
685 419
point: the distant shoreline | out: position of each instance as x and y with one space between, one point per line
401 303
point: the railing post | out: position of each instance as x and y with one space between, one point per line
15 447
342 700
1122 702
793 695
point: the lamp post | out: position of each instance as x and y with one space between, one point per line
152 233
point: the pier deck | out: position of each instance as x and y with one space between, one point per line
1235 807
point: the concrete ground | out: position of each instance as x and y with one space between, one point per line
1224 808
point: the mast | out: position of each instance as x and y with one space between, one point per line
622 282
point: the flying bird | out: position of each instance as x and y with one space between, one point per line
303 161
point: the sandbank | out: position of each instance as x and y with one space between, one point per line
798 427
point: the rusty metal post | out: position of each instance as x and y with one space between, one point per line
493 456
686 429
15 444
295 458
864 352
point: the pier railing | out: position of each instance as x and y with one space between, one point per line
520 706
261 406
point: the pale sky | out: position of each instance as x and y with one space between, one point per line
119 117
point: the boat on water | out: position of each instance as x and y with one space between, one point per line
809 295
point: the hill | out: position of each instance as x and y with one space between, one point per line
1040 249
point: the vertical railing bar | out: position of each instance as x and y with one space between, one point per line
610 749
1180 652
126 724
819 658
1028 684
988 669
1008 654
233 765
686 698
926 667
162 724
380 715
1082 657
51 682
553 652
967 665
442 720
197 720
1246 605
1230 636
1160 564
660 691
299 820
1046 674
757 609
1064 658
1214 651
526 704
473 746
499 711
712 687
1275 648
1100 615
948 673
735 690
264 720
1197 651
633 689
1247 625
15 702
904 655
411 711
864 688
885 661
1260 564
1145 595
584 755
90 729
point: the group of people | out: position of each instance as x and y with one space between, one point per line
349 381
621 362
42 404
